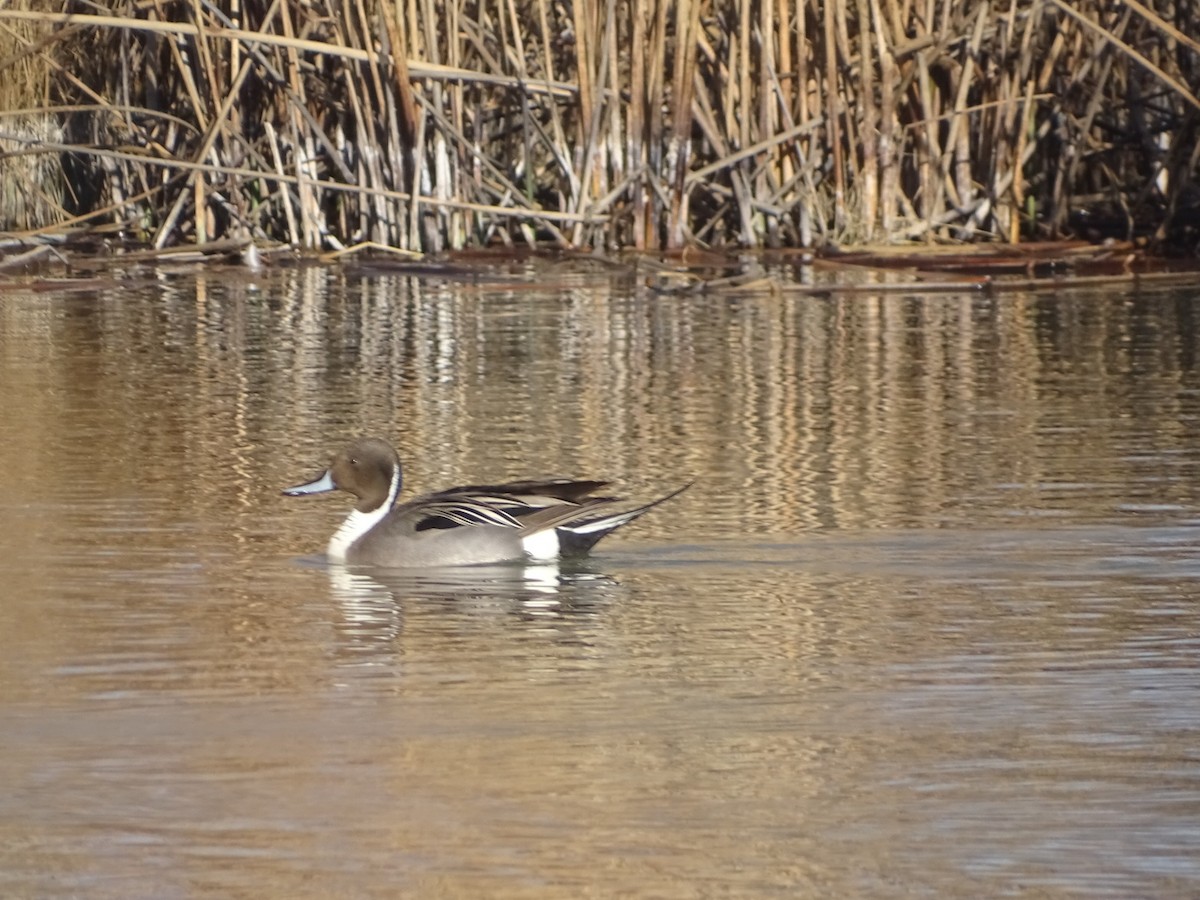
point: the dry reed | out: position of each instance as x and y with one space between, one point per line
600 123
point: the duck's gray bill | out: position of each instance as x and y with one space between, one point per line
320 486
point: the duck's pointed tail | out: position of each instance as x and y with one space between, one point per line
578 537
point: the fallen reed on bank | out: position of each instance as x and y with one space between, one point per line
600 123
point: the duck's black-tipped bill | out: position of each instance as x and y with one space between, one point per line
322 485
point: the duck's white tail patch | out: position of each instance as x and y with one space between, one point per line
359 523
541 544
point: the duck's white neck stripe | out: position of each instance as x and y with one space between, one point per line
359 523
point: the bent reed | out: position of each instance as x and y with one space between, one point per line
435 124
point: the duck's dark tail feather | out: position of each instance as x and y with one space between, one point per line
577 538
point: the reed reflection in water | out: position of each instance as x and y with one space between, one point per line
926 624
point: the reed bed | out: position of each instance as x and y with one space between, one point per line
431 124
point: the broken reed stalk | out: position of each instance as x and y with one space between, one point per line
425 124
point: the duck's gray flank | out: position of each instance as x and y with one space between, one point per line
468 525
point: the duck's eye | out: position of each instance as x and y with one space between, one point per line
354 460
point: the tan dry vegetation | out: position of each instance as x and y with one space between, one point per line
601 123
31 181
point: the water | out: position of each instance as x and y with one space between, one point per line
927 624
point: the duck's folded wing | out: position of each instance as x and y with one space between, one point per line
539 493
517 504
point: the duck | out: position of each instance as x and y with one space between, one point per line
527 521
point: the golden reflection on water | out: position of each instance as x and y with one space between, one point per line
852 412
925 623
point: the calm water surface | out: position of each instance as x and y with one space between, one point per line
926 626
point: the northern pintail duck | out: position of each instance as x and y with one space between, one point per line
470 525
